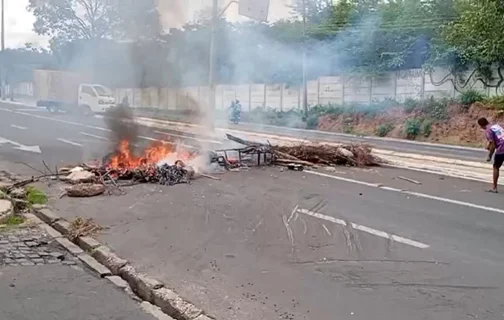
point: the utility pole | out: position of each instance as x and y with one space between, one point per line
212 64
305 87
2 57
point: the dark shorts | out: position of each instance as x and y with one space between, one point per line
498 160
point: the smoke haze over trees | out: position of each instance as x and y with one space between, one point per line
126 46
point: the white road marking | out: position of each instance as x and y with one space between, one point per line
187 137
94 136
32 110
18 127
70 142
19 146
417 194
362 228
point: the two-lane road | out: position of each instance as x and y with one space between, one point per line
346 243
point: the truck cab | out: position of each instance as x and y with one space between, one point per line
95 98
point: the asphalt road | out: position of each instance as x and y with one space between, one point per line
62 293
447 151
269 244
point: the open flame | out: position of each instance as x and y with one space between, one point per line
157 152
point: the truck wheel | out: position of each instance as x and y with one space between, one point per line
86 110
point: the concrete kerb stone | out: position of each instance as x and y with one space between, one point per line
50 231
46 215
108 258
173 305
117 270
33 219
94 265
140 283
69 246
62 226
155 311
88 243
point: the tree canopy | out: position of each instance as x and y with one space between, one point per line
126 45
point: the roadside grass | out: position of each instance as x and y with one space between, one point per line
35 196
14 220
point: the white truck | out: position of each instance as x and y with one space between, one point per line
67 91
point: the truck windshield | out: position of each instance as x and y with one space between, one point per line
102 91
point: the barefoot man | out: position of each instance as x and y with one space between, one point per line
495 136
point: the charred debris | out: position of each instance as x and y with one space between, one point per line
94 179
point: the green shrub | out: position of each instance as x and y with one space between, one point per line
383 129
410 105
348 129
412 128
427 128
312 122
496 102
435 108
469 97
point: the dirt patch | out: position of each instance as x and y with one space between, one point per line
459 126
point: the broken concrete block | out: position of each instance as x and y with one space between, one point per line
85 190
140 283
18 193
108 258
6 209
79 177
173 305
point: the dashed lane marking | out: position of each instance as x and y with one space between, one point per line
362 228
18 127
70 142
93 136
411 193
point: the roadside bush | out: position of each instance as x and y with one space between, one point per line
426 128
383 129
496 102
410 105
348 129
469 97
312 122
412 128
435 108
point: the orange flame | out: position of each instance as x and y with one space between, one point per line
124 157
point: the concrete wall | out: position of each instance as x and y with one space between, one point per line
400 85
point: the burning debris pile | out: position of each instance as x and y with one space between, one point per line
312 154
124 168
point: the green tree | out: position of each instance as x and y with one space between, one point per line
69 20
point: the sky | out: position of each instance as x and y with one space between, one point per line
19 22
19 25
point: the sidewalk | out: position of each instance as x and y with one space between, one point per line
58 292
39 280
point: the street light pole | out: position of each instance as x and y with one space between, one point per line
212 64
305 87
2 70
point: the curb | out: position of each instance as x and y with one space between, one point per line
154 297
